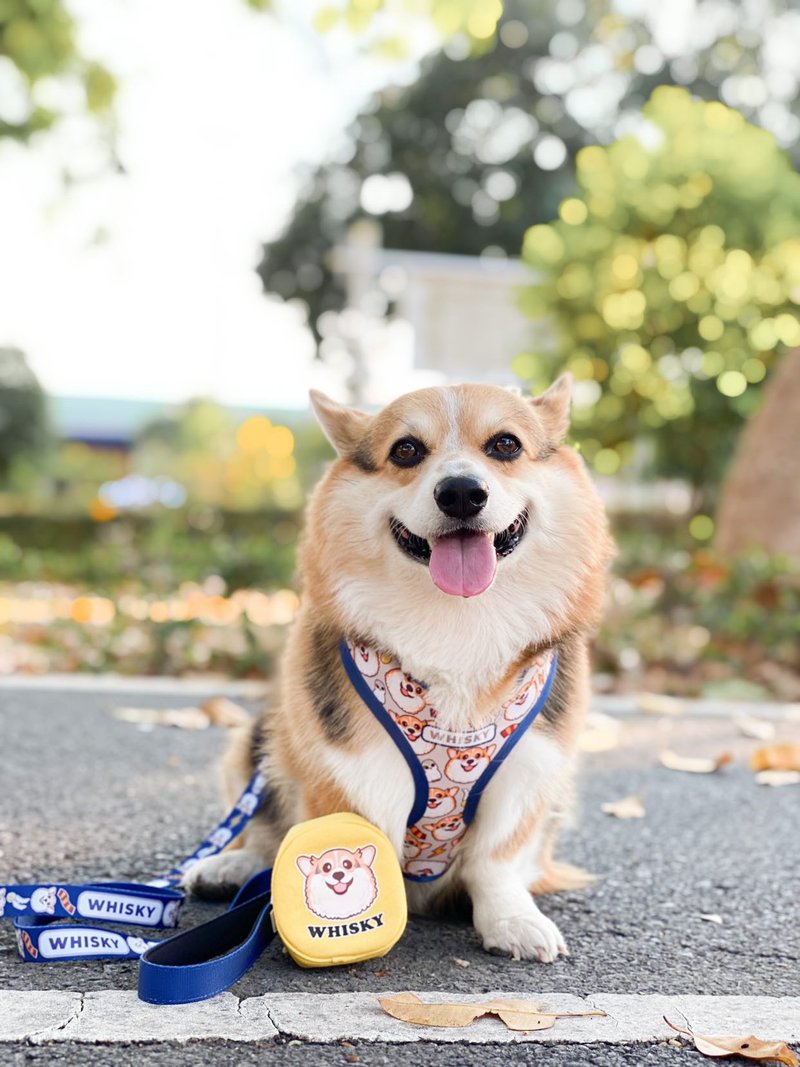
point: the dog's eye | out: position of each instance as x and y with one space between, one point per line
407 452
347 865
327 867
503 446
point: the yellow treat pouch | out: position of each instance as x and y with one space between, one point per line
337 892
334 895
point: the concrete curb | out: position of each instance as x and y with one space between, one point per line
121 683
119 1017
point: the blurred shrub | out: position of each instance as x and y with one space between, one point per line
699 624
672 283
253 549
23 411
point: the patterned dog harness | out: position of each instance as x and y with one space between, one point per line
451 769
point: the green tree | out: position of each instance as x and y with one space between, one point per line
476 20
482 144
23 410
671 282
38 43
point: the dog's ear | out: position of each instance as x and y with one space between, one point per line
366 854
553 405
343 426
306 864
489 750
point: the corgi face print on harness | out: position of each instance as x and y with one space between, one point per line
406 693
468 764
341 883
412 728
442 802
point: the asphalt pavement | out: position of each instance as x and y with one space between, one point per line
85 796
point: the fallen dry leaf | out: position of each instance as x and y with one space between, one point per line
759 729
627 808
600 733
784 756
778 778
659 704
522 1015
223 712
694 764
183 718
711 918
751 1048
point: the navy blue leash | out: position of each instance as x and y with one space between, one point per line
186 967
208 959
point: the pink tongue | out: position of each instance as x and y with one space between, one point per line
463 564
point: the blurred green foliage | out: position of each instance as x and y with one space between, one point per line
671 282
156 550
23 411
698 624
481 145
475 19
38 42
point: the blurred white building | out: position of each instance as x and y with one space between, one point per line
453 318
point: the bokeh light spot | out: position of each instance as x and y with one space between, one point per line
573 211
701 527
732 383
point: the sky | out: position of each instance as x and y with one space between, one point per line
141 284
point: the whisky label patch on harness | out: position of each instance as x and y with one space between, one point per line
451 768
337 891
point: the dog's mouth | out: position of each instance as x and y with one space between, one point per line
340 888
462 562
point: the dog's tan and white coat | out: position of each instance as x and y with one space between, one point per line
322 749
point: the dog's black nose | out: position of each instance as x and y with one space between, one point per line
461 497
338 876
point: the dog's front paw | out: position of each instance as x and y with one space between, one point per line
525 937
220 877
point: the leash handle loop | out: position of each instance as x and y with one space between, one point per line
208 959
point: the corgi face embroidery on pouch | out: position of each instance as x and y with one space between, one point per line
340 883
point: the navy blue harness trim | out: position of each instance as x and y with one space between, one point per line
421 784
496 764
387 722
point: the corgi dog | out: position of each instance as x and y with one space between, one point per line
468 764
341 883
459 537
